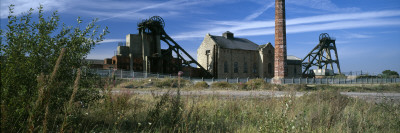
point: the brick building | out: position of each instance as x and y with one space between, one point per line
229 57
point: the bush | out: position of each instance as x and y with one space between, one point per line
254 84
221 85
170 83
39 67
201 84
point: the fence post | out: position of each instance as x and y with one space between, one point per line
306 80
247 80
313 80
212 80
283 80
300 80
202 78
292 80
237 80
265 79
226 79
121 73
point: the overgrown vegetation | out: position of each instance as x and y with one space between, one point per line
201 85
44 90
322 111
40 63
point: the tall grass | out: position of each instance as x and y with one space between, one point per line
321 111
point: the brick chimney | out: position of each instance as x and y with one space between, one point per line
280 42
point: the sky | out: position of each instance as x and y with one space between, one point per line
367 32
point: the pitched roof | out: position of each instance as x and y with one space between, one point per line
291 57
293 60
234 43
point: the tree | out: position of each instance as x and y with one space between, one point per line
29 53
390 74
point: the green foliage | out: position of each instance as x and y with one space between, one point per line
201 85
390 74
221 85
170 83
29 50
320 111
255 84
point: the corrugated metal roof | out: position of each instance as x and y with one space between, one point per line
293 60
235 43
291 57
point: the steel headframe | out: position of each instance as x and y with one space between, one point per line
320 56
155 25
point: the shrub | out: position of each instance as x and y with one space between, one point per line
170 83
36 81
254 84
201 84
221 84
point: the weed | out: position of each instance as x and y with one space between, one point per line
201 85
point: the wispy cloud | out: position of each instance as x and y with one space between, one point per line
109 9
326 5
112 40
24 5
164 4
260 11
299 25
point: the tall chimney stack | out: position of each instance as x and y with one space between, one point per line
280 42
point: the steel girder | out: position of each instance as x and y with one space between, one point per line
155 25
321 55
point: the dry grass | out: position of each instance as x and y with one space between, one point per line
321 111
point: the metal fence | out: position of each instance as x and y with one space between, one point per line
119 74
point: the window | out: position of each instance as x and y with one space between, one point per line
226 67
245 67
255 68
235 67
295 70
207 52
269 68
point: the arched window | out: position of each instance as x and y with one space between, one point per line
235 67
255 68
269 68
245 67
226 67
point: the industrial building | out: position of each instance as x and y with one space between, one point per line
227 56
223 56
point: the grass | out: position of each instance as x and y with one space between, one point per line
322 111
253 84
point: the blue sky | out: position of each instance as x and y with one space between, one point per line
367 32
